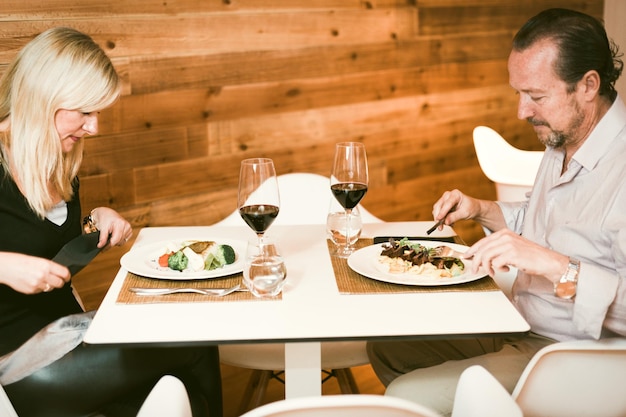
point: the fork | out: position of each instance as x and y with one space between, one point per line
218 292
447 252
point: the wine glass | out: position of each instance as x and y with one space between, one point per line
348 183
258 201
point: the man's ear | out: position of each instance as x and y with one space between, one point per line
590 83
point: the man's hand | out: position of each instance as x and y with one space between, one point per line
502 249
454 206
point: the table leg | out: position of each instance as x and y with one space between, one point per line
303 364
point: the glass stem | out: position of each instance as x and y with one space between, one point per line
347 246
261 243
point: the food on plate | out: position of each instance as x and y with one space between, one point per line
196 255
177 260
406 257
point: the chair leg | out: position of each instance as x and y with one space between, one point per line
255 390
346 381
257 386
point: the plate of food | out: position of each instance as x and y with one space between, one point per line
186 259
412 262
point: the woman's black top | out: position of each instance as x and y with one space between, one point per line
21 315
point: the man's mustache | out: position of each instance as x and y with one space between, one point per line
536 122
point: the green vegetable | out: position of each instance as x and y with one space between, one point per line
222 256
225 254
412 245
178 261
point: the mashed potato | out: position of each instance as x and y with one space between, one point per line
400 266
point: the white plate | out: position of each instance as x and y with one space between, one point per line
144 261
365 262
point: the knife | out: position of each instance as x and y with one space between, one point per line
385 239
78 252
432 229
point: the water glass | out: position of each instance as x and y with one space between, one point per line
264 270
338 231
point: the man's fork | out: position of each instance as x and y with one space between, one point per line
447 252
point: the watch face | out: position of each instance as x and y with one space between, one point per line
565 290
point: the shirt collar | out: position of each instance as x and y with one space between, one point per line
600 141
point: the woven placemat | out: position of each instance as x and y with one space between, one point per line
350 282
127 297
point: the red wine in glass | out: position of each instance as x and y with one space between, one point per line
258 198
259 216
348 183
349 194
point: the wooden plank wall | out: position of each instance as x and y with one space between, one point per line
209 83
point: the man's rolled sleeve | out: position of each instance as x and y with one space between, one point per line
597 290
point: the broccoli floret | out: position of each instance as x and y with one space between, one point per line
223 255
178 261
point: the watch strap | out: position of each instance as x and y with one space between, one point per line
567 285
89 225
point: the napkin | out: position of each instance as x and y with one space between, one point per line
78 252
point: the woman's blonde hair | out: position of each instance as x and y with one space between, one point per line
61 68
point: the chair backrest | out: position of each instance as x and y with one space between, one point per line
479 394
513 170
167 398
575 379
6 408
348 405
304 199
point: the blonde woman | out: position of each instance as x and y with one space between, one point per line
50 98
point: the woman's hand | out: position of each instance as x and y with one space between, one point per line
114 229
30 274
505 248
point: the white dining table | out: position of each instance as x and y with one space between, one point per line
311 309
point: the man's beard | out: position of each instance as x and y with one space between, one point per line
558 138
554 139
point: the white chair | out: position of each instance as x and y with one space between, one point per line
6 408
268 362
479 394
575 379
167 398
512 170
568 379
304 199
342 406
